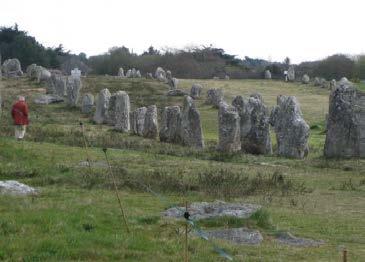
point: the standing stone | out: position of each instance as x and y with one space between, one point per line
170 125
138 74
160 74
196 91
150 129
344 80
12 68
134 73
254 125
215 97
267 74
121 72
168 75
102 106
191 128
87 103
76 73
173 83
73 90
346 122
305 79
333 84
226 77
291 73
137 120
122 110
60 84
229 129
292 132
128 74
149 76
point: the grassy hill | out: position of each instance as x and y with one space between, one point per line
76 215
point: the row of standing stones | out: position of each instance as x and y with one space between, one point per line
243 126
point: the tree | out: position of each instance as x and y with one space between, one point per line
336 67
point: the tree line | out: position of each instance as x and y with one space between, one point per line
192 62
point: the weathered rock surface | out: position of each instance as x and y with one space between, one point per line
150 129
137 120
346 122
48 99
204 210
12 187
122 110
87 103
176 92
12 68
121 72
305 79
287 238
291 73
237 235
254 124
292 132
267 74
102 106
191 128
215 97
229 129
170 125
196 91
74 86
160 74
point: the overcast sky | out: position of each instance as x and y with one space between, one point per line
269 29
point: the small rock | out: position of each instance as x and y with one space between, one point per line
12 187
176 92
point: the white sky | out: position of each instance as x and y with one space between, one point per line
270 29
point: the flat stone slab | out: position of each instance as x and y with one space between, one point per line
101 164
204 210
176 92
48 99
13 187
287 238
237 235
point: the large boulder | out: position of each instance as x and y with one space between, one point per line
214 97
191 128
305 79
102 106
267 74
87 103
74 86
12 68
196 91
254 124
170 125
229 129
31 71
43 75
150 129
160 74
292 132
291 73
345 122
122 109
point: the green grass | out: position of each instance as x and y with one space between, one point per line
76 215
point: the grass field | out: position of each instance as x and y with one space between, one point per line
76 215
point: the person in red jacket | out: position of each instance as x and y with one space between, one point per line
20 114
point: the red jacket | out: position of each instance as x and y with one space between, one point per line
19 113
